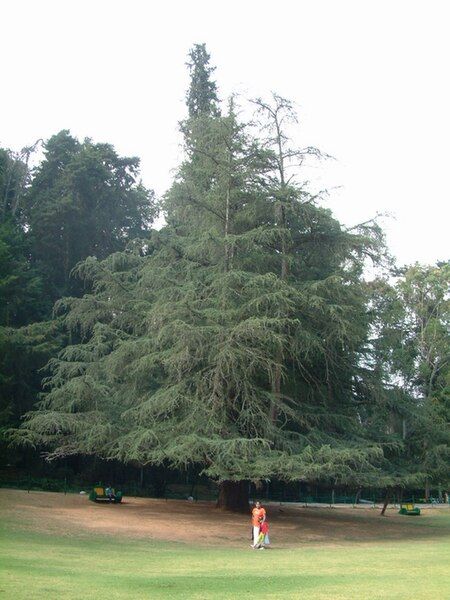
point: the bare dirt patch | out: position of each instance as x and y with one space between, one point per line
201 523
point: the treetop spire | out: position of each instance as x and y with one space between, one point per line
201 97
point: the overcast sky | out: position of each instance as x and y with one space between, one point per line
370 78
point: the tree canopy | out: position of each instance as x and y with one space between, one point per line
242 337
84 200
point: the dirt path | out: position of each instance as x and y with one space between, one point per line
201 523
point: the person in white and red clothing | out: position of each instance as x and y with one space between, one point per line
263 540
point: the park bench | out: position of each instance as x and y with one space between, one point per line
408 508
98 494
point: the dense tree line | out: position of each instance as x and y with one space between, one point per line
241 338
81 200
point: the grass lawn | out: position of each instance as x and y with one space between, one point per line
73 566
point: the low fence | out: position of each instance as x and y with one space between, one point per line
209 492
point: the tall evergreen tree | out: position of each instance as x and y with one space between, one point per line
228 340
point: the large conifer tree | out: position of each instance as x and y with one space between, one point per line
230 339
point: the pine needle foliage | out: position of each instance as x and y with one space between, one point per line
231 338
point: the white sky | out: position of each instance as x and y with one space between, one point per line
371 79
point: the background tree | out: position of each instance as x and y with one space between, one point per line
24 352
84 200
24 347
411 361
22 297
14 178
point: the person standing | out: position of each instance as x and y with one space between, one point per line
258 517
109 492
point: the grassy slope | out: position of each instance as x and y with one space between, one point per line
72 567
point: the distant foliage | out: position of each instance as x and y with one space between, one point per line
84 200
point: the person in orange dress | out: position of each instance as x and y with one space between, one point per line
258 517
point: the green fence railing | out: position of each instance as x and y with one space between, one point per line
209 492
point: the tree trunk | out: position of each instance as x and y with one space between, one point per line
358 496
386 502
227 225
427 491
276 390
233 495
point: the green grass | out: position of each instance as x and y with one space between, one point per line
36 565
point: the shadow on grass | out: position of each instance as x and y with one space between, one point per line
321 525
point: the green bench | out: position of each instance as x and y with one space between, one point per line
408 508
98 494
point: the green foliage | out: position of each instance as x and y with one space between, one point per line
201 98
411 372
229 339
84 200
14 176
21 291
242 337
24 352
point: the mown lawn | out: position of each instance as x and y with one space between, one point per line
38 565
